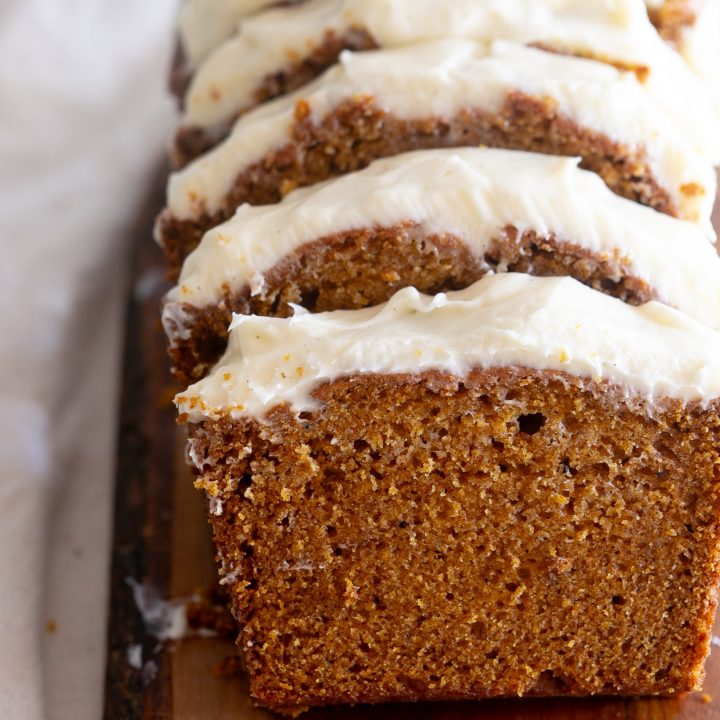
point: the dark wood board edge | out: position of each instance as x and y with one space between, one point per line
143 510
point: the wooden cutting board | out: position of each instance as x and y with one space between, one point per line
161 539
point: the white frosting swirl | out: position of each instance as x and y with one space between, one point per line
502 320
616 30
439 79
473 194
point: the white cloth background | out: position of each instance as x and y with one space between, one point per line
84 117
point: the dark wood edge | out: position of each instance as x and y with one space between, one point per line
144 483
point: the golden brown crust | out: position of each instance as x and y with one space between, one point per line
191 141
358 132
364 267
673 18
421 537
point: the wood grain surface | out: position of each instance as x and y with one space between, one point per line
161 539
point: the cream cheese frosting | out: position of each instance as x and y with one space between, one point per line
615 30
502 320
473 194
440 78
204 24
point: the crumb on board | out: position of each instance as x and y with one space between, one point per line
229 667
